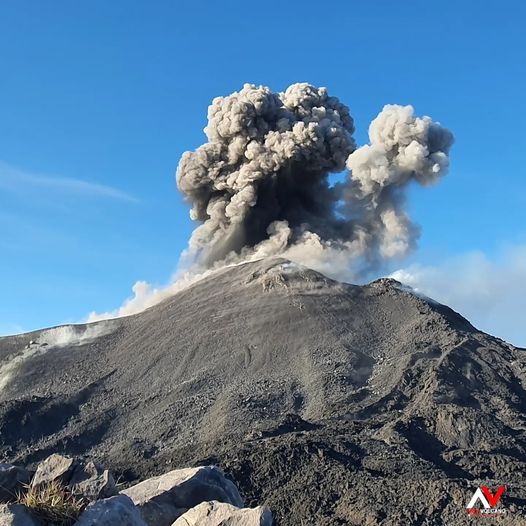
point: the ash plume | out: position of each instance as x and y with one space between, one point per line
260 185
403 148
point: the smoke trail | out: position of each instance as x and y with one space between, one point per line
260 185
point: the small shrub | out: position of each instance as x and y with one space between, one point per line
52 503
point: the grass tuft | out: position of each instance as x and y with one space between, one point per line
52 503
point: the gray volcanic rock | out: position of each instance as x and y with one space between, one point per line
213 513
92 482
55 468
86 479
163 499
118 510
331 403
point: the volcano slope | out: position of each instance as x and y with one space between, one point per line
331 403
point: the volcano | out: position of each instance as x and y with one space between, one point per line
331 403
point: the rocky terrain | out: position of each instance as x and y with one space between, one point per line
332 404
65 492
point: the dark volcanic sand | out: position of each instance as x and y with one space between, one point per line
331 403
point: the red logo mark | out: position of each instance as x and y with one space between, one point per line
492 499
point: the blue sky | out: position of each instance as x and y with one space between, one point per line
99 99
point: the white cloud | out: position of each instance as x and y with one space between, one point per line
489 292
14 179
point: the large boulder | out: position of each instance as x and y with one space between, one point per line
118 510
161 500
16 515
213 513
89 480
56 468
12 478
92 482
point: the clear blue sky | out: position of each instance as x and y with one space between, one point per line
99 99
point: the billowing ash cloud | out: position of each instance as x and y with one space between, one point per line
260 185
403 148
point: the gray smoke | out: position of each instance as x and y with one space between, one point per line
403 148
260 185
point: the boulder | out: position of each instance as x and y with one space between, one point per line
161 500
54 468
92 482
16 515
118 510
213 513
12 478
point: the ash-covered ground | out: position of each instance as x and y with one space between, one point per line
333 404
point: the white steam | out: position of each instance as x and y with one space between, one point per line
65 336
146 295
